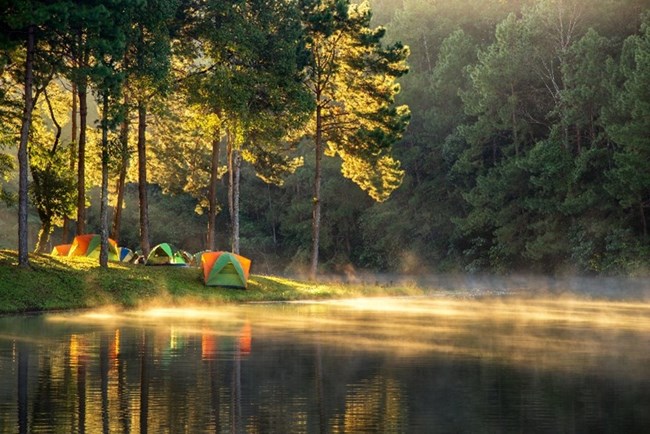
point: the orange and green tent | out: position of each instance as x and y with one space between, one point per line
89 245
61 250
165 254
225 269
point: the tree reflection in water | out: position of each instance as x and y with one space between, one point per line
390 366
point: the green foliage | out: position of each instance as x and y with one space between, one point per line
181 147
52 189
288 211
526 146
9 119
629 124
530 163
548 166
352 78
253 51
586 91
6 167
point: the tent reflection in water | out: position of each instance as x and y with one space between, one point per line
165 254
225 269
89 245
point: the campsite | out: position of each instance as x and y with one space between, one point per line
136 346
75 282
219 268
299 216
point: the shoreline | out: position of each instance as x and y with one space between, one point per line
65 284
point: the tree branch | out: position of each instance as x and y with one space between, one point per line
56 124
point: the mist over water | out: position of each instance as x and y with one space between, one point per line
465 359
621 288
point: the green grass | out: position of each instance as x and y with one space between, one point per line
54 283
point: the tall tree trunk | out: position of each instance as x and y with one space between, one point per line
235 200
234 165
44 236
230 174
81 159
272 218
142 179
117 215
316 202
212 193
73 151
23 159
103 209
124 165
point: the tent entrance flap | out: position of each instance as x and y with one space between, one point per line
225 269
228 276
165 254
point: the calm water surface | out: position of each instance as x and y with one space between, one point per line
375 365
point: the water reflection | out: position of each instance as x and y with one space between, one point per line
376 365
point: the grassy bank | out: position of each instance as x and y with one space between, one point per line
53 283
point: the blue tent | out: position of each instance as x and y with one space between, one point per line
126 254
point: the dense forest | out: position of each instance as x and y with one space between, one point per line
212 124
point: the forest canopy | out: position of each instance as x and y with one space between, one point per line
527 146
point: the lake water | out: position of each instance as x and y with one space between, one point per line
429 364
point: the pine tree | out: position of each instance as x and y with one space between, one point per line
351 76
33 25
248 78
